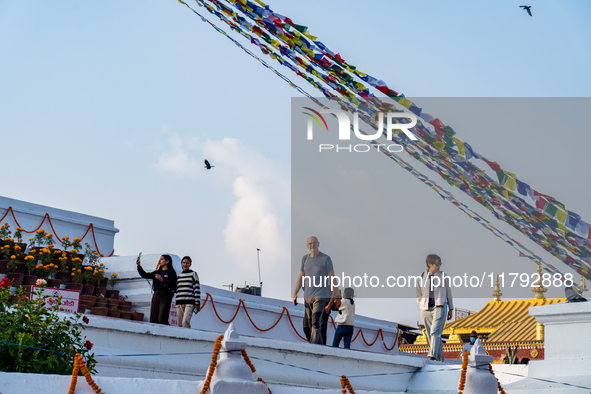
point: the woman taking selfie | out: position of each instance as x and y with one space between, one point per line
164 286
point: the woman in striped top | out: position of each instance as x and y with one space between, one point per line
188 294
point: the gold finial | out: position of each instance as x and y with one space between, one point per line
583 285
537 287
497 291
539 331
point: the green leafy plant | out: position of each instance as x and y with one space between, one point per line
18 234
41 238
30 262
4 252
66 243
45 255
34 325
92 256
63 258
113 280
88 274
5 231
76 275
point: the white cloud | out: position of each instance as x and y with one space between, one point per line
260 216
177 160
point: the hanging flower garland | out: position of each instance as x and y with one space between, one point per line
214 363
501 390
248 362
463 375
346 385
80 366
261 380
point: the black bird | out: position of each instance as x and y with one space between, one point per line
527 8
207 165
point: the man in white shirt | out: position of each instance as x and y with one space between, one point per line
433 294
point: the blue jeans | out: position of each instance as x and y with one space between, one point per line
343 332
434 319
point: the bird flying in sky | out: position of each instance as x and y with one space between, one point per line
207 165
527 8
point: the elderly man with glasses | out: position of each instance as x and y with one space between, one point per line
434 297
316 272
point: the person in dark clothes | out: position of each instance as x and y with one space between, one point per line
164 286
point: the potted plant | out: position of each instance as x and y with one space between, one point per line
76 282
45 255
4 259
63 272
99 273
88 279
75 252
136 315
41 239
125 315
91 256
113 311
18 236
5 234
100 311
113 280
124 304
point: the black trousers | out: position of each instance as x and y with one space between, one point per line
160 310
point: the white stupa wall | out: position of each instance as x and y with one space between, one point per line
65 223
263 311
566 367
126 348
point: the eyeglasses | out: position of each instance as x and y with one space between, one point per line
437 264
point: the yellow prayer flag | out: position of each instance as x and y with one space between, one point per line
510 184
310 36
360 86
561 215
405 103
461 147
439 145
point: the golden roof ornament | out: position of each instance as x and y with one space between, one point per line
537 287
497 291
422 339
454 338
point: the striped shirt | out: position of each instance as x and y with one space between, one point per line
188 290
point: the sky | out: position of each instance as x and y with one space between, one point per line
109 110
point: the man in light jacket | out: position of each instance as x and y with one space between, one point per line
434 298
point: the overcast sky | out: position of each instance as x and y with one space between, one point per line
110 108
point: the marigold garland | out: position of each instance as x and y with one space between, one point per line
241 304
214 363
248 362
463 375
80 366
346 385
258 380
501 390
